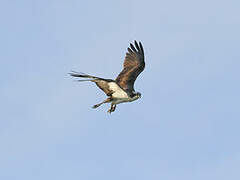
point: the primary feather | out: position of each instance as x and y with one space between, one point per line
133 65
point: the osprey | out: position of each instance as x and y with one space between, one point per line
122 89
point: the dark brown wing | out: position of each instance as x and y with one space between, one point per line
104 85
133 65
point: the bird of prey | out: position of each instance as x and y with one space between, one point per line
121 89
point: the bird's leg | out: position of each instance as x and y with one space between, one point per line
112 108
105 101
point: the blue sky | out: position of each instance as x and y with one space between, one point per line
185 126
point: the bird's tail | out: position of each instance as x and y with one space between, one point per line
83 75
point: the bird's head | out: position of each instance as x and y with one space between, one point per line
136 95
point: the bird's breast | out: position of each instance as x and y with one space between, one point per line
118 92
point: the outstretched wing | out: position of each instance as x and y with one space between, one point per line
103 84
133 65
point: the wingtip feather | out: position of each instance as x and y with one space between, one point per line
141 47
136 45
132 47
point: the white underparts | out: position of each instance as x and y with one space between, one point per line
119 95
118 92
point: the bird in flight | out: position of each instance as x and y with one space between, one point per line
121 89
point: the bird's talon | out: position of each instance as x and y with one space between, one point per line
95 106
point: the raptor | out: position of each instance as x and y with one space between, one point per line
121 89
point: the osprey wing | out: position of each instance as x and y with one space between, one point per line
103 84
133 65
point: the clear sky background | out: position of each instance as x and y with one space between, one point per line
185 126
